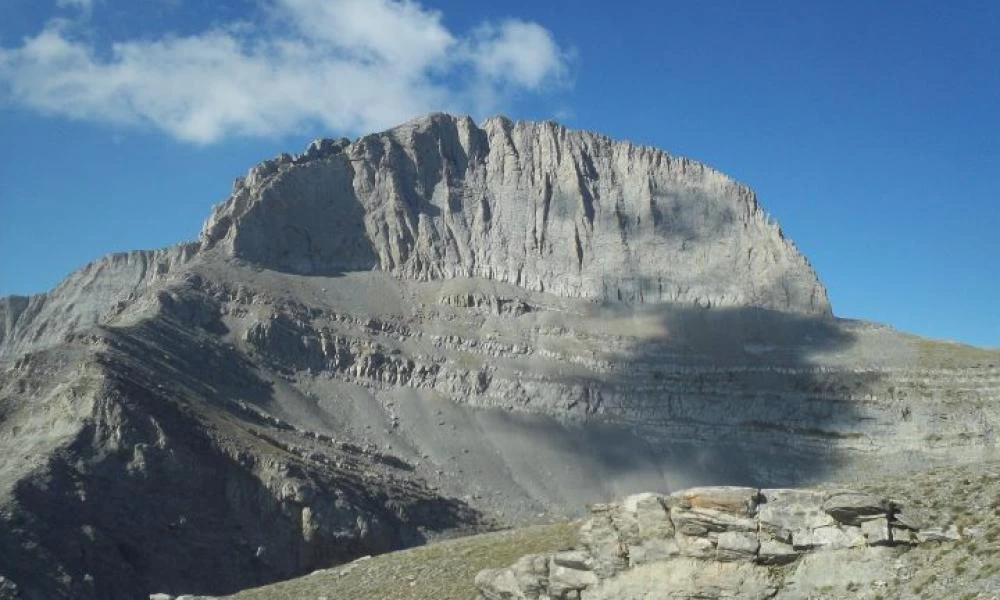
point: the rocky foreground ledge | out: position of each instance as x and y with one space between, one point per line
717 542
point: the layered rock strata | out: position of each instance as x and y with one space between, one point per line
709 542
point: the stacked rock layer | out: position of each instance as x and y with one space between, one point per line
704 542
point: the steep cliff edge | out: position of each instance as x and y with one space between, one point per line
537 205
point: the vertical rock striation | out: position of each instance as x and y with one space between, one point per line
537 205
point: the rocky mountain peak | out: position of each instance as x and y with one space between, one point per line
435 330
534 204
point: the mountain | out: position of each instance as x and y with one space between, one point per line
531 204
439 329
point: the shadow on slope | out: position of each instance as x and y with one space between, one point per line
717 396
170 489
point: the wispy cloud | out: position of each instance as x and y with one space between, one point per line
346 65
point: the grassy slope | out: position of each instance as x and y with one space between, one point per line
440 571
945 354
967 497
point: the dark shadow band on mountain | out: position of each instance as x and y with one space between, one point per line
724 396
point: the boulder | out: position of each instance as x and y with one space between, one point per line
526 579
853 507
908 520
498 584
696 547
651 516
569 575
572 559
652 550
702 521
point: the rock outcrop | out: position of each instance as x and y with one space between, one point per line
534 204
711 542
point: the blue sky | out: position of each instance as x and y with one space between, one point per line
869 129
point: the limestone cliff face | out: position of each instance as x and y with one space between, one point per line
550 209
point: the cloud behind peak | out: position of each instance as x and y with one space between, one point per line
343 65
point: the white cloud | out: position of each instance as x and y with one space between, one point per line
518 53
399 33
345 65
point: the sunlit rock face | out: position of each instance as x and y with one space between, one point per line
537 205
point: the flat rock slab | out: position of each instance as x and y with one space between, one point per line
853 507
